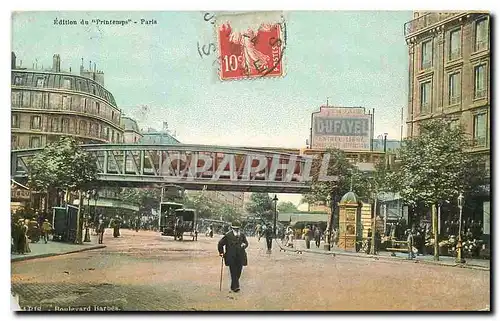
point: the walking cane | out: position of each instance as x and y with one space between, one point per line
221 271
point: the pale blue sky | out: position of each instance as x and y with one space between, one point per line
355 58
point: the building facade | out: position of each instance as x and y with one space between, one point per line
153 137
449 72
449 75
131 132
48 104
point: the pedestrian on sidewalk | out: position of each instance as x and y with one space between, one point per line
232 248
100 231
317 236
369 241
26 240
409 239
46 229
268 233
306 233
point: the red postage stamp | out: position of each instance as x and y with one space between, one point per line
250 49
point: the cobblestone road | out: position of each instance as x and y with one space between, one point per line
143 271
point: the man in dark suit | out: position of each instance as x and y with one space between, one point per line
235 256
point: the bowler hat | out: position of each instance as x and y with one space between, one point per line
235 224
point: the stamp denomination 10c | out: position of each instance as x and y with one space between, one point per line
251 45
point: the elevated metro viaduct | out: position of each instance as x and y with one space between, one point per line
135 165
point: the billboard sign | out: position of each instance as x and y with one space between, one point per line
345 128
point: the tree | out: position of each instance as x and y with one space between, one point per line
228 213
287 207
260 204
340 166
204 206
437 165
62 165
146 198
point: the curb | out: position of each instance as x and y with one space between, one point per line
369 256
39 256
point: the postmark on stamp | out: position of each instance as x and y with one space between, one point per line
251 45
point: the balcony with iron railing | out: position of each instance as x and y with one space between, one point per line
427 20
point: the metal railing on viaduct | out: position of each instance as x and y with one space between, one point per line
193 167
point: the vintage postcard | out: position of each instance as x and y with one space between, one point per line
250 161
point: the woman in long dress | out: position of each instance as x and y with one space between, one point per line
253 59
26 239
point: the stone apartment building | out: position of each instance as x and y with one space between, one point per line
449 75
50 103
449 72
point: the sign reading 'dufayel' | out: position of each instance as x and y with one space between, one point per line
346 128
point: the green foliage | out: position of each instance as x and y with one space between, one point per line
364 184
62 164
146 198
436 165
339 166
260 204
204 206
228 213
287 207
209 208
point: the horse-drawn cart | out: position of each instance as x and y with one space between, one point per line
185 222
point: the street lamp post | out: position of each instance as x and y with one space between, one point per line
87 234
275 200
459 243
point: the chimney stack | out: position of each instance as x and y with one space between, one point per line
56 63
13 60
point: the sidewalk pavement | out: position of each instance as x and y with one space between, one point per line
53 248
426 259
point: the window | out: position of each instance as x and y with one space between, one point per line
18 80
83 103
98 108
65 125
26 99
112 136
82 129
36 122
35 141
480 129
37 100
54 125
426 54
16 98
480 81
454 89
39 82
455 45
93 89
454 123
425 96
15 121
67 83
481 35
66 103
13 142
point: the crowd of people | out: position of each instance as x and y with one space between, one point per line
26 230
